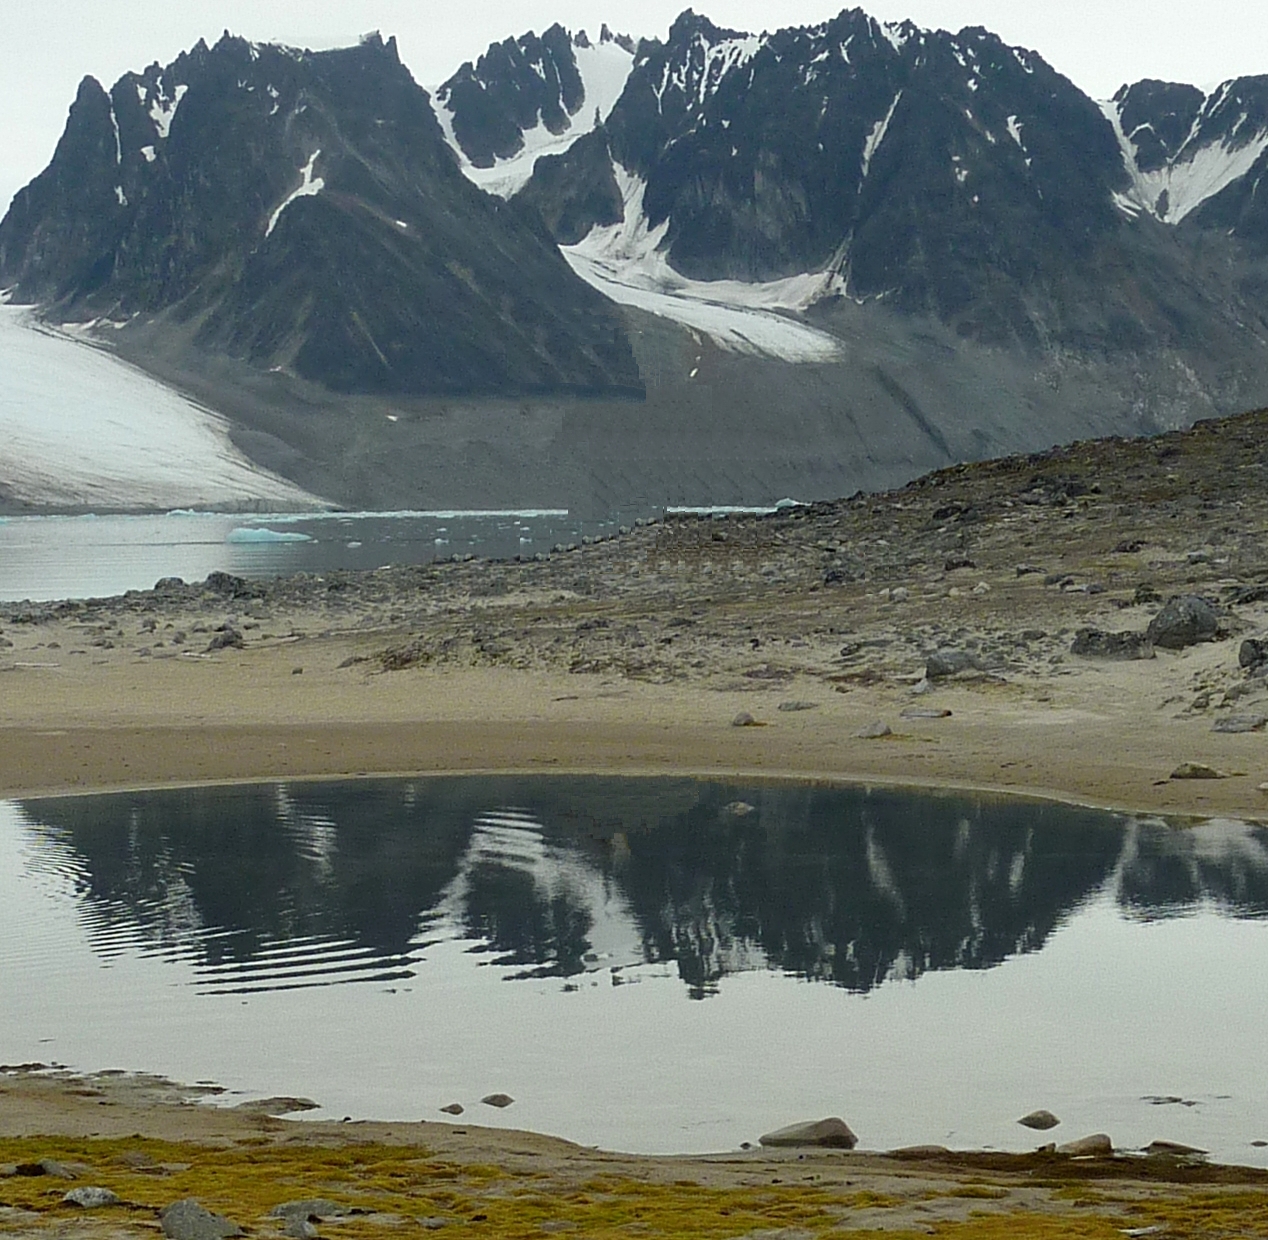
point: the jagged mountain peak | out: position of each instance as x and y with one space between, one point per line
1194 155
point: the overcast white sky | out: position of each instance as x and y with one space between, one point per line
46 46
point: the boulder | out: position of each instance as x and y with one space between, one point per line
1098 644
454 1108
1096 1146
497 1100
1041 1121
834 1133
187 1219
944 663
311 1207
1173 1149
1183 621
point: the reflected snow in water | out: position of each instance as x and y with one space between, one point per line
655 965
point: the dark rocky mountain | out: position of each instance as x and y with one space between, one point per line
841 255
301 212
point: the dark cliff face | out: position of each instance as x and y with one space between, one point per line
513 85
304 210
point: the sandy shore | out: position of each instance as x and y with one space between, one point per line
1097 736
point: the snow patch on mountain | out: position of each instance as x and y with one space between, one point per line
82 427
877 136
625 262
163 109
308 186
604 68
1198 171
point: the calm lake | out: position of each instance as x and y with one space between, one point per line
651 965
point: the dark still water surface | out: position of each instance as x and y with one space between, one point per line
652 965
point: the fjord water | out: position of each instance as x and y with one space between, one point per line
651 965
91 556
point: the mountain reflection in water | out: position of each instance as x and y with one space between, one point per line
280 886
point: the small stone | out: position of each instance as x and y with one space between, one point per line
982 587
1241 723
1096 1146
188 1219
497 1100
739 809
795 706
899 594
1197 770
745 720
433 1222
874 731
297 671
924 712
227 639
454 1108
834 1133
1040 1120
90 1197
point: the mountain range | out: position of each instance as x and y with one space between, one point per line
713 268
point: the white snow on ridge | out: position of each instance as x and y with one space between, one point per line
162 110
81 427
604 69
624 263
1196 174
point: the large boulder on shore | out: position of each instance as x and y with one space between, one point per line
1184 621
833 1132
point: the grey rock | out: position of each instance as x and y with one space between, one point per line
90 1197
454 1108
311 1207
794 706
433 1223
1241 723
299 1227
944 663
833 1132
227 639
1183 621
744 720
925 712
1173 1149
187 1219
1093 643
1096 1146
874 731
278 1105
50 1167
497 1100
1197 770
739 809
1253 652
1040 1120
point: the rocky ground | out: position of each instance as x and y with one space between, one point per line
997 566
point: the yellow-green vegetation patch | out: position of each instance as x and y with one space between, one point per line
390 1187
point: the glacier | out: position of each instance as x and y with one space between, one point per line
81 427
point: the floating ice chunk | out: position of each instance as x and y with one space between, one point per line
260 534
